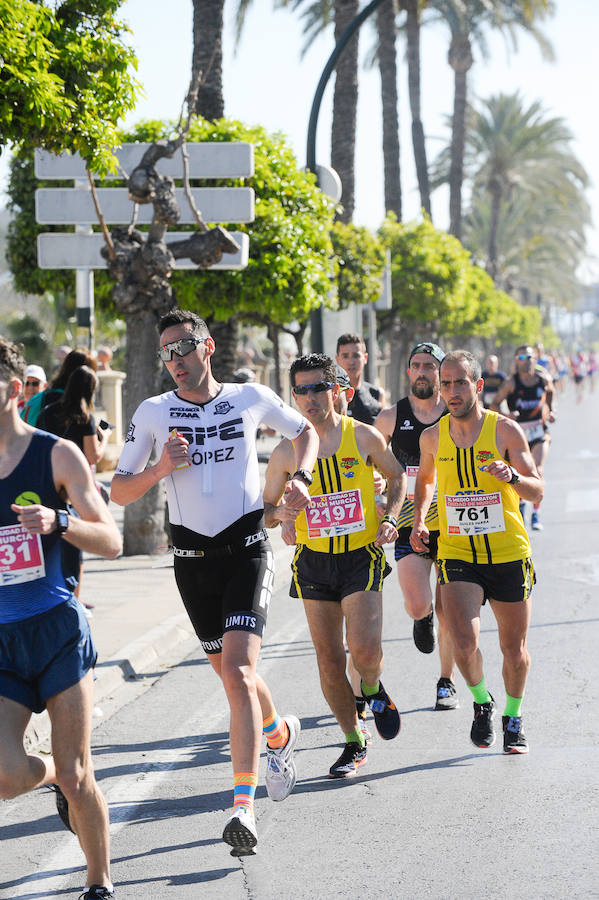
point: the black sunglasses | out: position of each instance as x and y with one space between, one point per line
181 348
319 388
32 382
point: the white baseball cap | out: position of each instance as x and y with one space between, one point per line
36 372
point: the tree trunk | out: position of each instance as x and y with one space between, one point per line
460 60
273 336
226 338
385 23
144 520
208 56
495 191
345 103
418 142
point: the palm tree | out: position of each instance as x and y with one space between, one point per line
413 9
387 61
528 214
345 107
467 21
513 147
208 56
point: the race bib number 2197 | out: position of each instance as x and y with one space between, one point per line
21 555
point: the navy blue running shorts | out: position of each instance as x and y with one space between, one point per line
404 548
333 576
230 593
508 582
45 654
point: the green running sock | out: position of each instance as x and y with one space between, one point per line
371 691
355 737
512 705
480 692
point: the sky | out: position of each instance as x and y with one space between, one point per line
266 82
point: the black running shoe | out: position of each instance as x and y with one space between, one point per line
424 633
97 892
62 807
353 756
447 696
514 740
482 733
386 716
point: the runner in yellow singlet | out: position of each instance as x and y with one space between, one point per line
339 564
483 466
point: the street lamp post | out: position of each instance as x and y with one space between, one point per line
316 328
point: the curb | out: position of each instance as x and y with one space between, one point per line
125 665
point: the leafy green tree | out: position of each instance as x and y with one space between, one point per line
65 77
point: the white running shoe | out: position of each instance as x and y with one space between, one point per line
280 767
240 832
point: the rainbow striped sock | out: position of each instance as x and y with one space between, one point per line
244 789
276 731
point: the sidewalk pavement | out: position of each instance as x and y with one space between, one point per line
137 614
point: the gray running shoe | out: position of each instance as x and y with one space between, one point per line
280 765
447 696
240 832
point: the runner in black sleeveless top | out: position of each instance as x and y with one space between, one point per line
402 426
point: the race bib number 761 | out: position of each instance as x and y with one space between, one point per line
474 513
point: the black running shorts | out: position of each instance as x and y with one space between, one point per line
333 576
229 593
509 582
404 548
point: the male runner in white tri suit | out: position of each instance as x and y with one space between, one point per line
205 433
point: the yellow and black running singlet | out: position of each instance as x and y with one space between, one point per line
342 513
479 520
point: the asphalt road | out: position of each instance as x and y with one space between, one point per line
429 815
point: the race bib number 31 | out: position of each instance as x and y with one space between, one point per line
474 513
331 515
21 555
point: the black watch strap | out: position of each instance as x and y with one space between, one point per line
304 475
62 520
391 519
515 477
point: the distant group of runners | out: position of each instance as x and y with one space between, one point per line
438 474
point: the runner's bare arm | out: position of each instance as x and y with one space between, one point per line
95 531
126 488
425 487
385 422
306 450
512 445
372 446
280 466
504 390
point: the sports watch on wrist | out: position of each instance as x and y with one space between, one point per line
391 520
304 475
62 521
515 477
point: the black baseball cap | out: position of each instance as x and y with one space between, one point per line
428 347
342 378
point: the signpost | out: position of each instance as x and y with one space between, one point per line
80 249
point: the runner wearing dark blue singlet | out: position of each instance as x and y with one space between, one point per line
46 650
